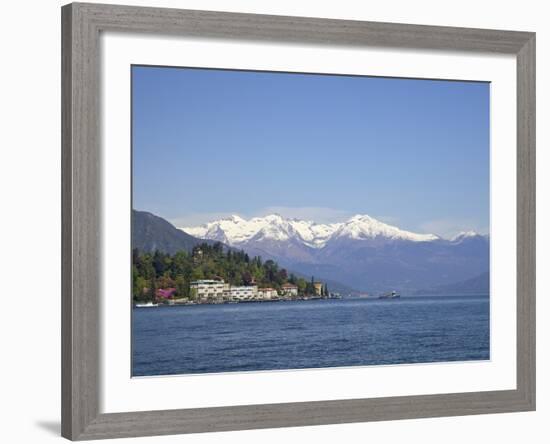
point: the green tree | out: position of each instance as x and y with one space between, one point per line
159 263
182 288
302 286
153 290
139 288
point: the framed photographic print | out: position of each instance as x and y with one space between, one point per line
279 221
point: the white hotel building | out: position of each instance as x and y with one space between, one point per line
247 293
209 289
212 290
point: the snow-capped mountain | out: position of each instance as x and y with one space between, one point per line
361 252
464 235
235 230
363 227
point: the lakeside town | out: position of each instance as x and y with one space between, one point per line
210 274
217 291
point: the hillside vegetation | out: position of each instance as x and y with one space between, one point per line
152 271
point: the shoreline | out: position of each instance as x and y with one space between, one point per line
309 299
301 299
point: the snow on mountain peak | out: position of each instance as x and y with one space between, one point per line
273 218
235 230
234 218
361 218
365 227
464 235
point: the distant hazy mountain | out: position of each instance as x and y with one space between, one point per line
477 285
361 252
150 233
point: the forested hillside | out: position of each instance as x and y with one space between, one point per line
152 271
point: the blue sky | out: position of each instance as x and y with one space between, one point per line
209 143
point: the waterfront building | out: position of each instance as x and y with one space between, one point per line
290 290
208 289
244 293
226 292
267 293
318 288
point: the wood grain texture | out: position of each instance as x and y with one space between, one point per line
66 224
526 221
81 222
81 205
301 29
119 425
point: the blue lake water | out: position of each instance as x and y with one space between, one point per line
308 334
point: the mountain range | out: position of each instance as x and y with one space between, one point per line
235 230
362 252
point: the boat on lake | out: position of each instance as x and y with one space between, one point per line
390 295
146 305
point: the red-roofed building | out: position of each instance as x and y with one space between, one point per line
290 289
267 293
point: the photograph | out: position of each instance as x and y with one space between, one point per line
287 221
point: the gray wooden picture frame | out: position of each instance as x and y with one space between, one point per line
81 253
